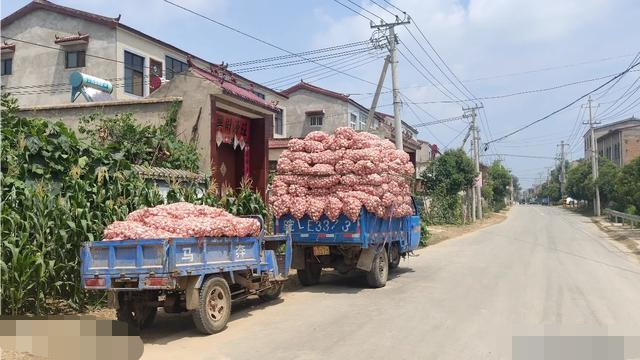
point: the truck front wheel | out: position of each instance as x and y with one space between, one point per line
310 275
377 277
271 293
214 307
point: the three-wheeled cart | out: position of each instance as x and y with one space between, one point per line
202 275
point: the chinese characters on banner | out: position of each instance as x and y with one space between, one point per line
234 130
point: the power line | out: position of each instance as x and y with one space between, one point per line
383 8
451 96
433 61
548 68
298 62
357 12
522 156
564 107
263 41
308 52
365 10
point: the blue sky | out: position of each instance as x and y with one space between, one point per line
479 40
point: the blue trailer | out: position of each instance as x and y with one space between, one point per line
370 243
202 275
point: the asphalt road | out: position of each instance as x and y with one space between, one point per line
461 299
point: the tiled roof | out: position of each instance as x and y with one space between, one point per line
77 37
160 173
230 88
306 86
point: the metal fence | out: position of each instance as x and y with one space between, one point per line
632 219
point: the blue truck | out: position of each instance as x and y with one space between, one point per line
202 275
369 243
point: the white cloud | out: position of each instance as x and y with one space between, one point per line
492 37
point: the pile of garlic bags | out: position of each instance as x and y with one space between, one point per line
337 174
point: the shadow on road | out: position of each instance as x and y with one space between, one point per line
170 327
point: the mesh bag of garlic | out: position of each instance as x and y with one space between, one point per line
181 220
339 173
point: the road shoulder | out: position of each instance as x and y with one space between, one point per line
440 233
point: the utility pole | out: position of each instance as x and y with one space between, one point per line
475 143
594 160
562 169
392 42
374 102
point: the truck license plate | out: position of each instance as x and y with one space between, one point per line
320 250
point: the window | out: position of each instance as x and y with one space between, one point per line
278 126
7 66
133 74
74 59
363 121
258 94
315 119
353 121
174 67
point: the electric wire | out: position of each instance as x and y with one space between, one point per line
564 107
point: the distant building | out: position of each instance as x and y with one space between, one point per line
311 108
618 141
424 155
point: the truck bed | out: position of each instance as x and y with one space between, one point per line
134 261
367 230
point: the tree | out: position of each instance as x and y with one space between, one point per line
627 187
516 187
579 181
580 184
608 174
453 171
500 180
444 178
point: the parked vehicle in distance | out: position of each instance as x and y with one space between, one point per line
202 275
370 244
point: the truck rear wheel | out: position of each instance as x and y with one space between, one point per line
214 309
271 293
377 277
394 256
310 275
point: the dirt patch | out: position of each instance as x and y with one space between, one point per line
627 237
14 355
440 233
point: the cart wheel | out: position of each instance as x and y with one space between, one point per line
310 275
271 293
394 255
214 309
139 316
377 277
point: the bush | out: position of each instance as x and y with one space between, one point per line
58 192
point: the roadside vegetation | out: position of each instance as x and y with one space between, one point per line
619 187
59 191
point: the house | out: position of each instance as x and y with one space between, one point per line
618 141
424 155
53 41
311 108
229 117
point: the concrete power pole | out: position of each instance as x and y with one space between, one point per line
393 41
475 143
374 102
594 160
562 169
